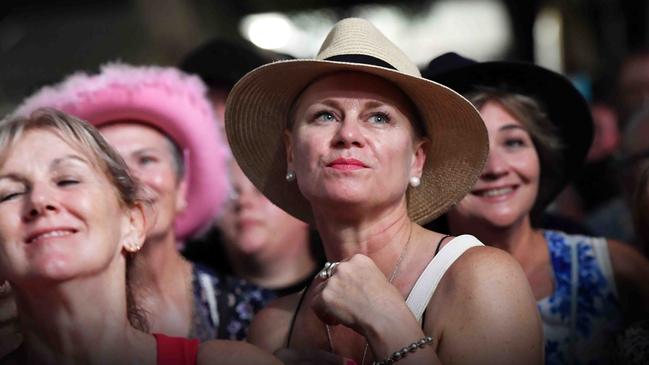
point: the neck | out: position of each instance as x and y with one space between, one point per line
158 264
82 321
383 239
293 264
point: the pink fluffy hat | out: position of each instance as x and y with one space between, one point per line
170 100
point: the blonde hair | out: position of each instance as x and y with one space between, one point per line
80 134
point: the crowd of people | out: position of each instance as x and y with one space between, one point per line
247 207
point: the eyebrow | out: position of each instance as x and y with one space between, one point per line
511 127
62 160
53 165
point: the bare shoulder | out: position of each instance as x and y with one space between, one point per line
233 353
478 263
488 306
270 327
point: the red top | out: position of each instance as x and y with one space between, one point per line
176 350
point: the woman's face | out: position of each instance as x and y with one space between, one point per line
60 217
148 154
252 225
507 188
353 142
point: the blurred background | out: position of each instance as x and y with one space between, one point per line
42 41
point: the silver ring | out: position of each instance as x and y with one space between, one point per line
331 268
328 270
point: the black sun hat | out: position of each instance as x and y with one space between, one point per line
564 105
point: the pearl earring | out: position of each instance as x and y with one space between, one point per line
290 176
132 247
415 181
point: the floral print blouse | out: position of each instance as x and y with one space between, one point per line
582 317
224 305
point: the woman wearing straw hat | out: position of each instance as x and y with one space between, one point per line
71 224
358 144
540 129
162 123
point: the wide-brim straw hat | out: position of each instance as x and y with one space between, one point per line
564 105
167 99
257 113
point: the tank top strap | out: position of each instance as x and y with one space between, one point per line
297 309
175 350
425 286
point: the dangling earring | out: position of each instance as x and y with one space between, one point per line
290 175
415 181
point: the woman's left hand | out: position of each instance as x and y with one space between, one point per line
358 294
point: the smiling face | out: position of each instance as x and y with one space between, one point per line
60 217
149 156
352 142
508 185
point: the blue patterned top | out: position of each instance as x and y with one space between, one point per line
224 305
581 331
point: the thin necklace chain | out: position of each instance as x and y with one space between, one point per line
393 276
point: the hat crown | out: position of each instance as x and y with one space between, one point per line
360 38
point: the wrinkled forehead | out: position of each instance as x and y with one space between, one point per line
353 85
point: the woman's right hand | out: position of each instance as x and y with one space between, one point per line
10 337
358 294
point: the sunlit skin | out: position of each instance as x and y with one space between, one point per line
351 136
265 244
148 155
55 220
507 187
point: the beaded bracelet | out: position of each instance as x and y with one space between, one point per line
400 354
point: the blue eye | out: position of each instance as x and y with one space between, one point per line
380 118
325 117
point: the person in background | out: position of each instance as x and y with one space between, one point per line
72 220
614 218
540 130
161 122
356 142
252 239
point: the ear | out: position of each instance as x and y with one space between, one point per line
134 228
288 145
181 195
420 148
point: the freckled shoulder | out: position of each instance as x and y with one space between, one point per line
270 327
484 303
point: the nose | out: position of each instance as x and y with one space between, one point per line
495 167
349 134
40 202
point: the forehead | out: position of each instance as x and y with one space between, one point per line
125 134
42 145
496 116
354 85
